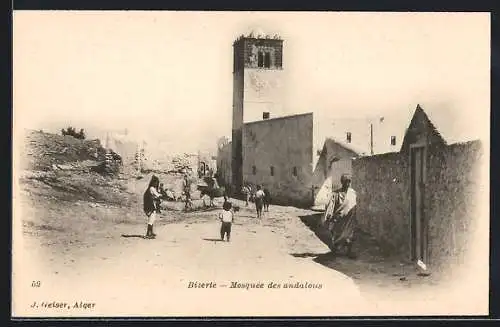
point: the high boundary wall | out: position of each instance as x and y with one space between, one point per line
452 187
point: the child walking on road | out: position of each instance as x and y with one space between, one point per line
227 218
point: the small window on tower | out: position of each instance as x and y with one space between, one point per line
272 171
267 60
393 140
348 136
294 171
260 59
254 170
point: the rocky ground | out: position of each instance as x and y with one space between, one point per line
80 235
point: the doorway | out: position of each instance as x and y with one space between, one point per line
203 169
417 191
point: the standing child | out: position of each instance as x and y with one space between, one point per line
227 218
259 201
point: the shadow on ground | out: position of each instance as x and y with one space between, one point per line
133 235
305 255
373 263
328 259
213 239
312 221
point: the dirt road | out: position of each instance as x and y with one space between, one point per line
131 276
94 271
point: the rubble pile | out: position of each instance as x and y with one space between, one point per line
181 164
51 152
43 150
111 164
66 168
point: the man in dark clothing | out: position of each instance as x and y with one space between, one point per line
267 199
186 187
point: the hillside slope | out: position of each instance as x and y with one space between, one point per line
65 168
61 187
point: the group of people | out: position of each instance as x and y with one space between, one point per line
155 193
209 191
261 197
339 218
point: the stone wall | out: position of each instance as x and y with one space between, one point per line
284 144
382 186
452 189
452 185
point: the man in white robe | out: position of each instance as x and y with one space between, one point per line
340 216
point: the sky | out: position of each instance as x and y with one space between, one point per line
167 76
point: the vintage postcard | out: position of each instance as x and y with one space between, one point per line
187 164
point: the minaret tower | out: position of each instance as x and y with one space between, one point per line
257 88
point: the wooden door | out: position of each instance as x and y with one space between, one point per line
418 221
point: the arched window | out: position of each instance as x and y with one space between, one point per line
254 170
272 171
267 60
260 59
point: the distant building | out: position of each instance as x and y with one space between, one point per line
345 139
223 163
123 144
334 160
376 135
207 164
